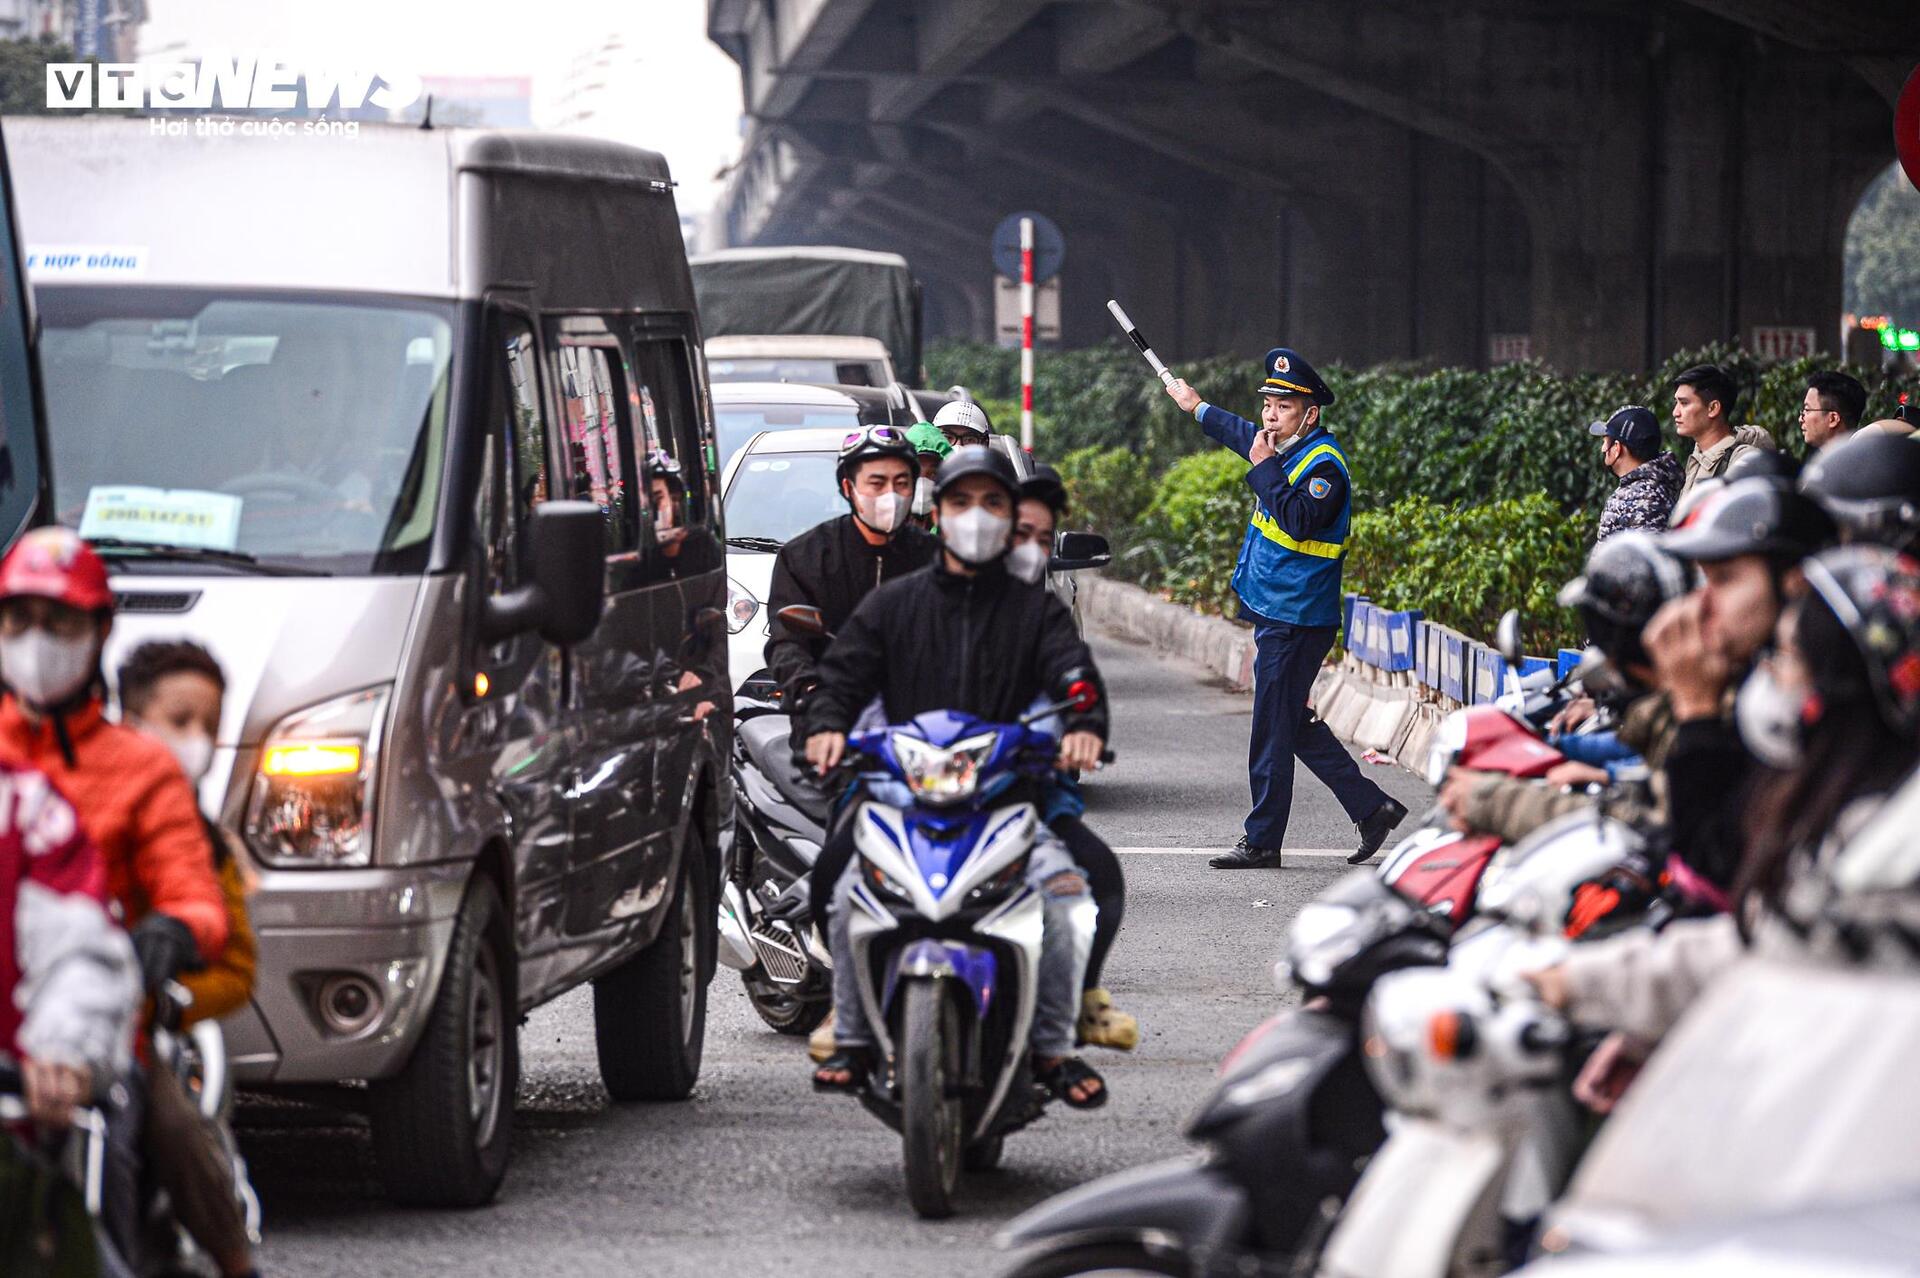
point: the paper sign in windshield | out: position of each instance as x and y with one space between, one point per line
163 516
87 261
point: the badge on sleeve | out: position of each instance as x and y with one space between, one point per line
1318 488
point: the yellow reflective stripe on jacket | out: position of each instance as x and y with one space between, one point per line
1271 531
1314 454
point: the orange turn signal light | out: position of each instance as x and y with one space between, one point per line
312 759
1450 1035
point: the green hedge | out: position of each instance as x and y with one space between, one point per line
1454 435
1464 565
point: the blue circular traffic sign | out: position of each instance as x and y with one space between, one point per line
1049 247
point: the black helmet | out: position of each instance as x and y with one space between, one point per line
976 459
1764 463
1628 578
1875 594
869 442
1753 517
1690 503
1045 485
1870 485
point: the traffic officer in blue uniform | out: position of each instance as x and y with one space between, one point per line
1288 580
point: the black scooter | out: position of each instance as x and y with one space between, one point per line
1288 1127
780 818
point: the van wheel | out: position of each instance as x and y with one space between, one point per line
443 1126
650 1013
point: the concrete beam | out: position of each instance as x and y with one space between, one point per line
1098 39
949 37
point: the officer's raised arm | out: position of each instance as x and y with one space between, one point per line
1184 395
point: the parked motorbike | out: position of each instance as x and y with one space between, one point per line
1476 1069
946 935
1289 1123
780 818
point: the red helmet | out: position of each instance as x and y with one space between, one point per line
53 563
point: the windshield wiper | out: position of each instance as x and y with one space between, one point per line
201 554
768 544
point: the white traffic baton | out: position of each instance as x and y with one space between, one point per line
1133 334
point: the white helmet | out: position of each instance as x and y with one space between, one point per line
963 417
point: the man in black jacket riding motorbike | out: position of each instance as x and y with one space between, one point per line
965 635
834 566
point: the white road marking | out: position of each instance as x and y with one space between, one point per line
1287 855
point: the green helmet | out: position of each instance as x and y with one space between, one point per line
927 438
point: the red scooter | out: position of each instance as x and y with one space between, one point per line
1437 866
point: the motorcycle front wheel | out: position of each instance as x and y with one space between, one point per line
783 1013
931 1113
1104 1260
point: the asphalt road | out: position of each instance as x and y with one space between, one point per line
757 1174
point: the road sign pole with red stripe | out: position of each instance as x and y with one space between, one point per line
1026 333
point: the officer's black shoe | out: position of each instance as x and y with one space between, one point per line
1375 829
1247 857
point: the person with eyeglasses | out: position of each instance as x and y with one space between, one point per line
1831 412
834 565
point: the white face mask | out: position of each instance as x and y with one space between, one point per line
193 751
883 513
1028 562
923 497
46 671
976 535
1768 717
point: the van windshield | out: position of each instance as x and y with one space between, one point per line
289 431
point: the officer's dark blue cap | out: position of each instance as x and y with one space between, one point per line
1289 374
1634 426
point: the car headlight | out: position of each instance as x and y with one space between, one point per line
943 775
313 789
742 607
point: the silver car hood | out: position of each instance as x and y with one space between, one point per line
285 642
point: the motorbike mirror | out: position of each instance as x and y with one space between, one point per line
1507 638
804 619
1073 551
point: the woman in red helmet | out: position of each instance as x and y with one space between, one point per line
56 610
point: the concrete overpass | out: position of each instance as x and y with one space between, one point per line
1369 179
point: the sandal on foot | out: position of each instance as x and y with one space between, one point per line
1068 1073
820 1044
1102 1026
855 1062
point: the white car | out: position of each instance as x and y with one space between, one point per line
802 357
742 410
780 484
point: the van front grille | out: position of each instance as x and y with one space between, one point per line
155 601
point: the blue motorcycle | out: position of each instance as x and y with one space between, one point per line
946 929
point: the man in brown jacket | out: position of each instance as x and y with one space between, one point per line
1703 412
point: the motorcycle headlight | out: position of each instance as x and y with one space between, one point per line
313 789
943 775
880 881
742 607
1000 886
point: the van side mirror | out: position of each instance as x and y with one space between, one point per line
1506 638
1073 551
565 587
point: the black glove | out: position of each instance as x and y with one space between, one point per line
165 947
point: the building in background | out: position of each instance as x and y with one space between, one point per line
489 101
108 30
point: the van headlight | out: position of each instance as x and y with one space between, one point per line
313 789
742 607
938 775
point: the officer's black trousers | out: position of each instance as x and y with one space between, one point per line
1286 659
